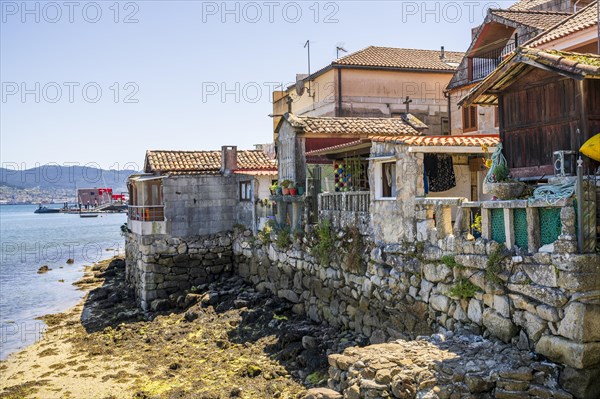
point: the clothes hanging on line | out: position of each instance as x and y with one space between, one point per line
440 172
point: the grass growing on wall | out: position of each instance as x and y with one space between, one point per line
464 289
494 265
284 239
354 247
325 242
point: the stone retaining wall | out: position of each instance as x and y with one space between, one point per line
547 303
160 267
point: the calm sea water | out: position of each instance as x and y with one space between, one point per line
29 241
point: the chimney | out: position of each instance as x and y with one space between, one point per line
443 54
228 159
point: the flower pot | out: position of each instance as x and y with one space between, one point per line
286 191
293 191
300 190
504 191
273 191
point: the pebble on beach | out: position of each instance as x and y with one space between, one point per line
43 269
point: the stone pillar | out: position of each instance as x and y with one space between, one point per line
486 223
567 240
461 224
281 212
509 228
533 229
444 220
296 216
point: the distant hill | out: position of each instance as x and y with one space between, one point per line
65 177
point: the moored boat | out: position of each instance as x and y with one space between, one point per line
45 209
88 215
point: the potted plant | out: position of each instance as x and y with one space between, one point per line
293 190
273 188
285 186
500 185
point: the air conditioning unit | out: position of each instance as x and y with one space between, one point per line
565 163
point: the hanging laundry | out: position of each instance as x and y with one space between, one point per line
440 172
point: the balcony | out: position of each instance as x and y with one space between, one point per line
535 226
346 209
147 219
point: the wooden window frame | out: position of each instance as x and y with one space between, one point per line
379 181
245 192
470 119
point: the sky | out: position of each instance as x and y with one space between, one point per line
99 83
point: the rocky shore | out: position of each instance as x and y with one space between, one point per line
220 340
228 339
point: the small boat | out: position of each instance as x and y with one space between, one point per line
45 209
88 215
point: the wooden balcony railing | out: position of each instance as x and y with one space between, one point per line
351 201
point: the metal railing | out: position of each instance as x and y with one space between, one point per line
147 213
351 201
484 64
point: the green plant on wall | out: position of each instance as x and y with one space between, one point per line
354 247
265 234
284 239
325 242
494 265
464 289
449 261
476 225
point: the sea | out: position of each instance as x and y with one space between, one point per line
29 241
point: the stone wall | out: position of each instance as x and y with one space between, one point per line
203 204
409 169
160 268
547 303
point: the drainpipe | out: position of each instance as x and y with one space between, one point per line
254 216
447 95
339 92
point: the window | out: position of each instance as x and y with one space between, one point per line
245 191
445 126
385 183
469 118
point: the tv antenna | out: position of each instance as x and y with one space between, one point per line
307 46
337 51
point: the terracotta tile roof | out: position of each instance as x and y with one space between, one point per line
577 64
583 19
536 19
477 141
402 58
348 126
335 148
523 5
443 141
205 162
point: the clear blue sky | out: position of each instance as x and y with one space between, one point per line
171 54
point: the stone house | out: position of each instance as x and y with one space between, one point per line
375 82
297 136
385 209
184 203
501 32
